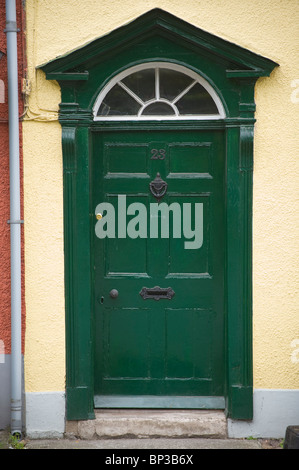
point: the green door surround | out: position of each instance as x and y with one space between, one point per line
232 71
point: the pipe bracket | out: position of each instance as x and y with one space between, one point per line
11 27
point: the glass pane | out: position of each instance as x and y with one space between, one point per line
158 109
172 83
142 84
197 101
118 103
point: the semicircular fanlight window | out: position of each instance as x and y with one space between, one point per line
158 92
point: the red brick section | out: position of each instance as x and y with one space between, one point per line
4 179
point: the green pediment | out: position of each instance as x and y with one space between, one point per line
152 28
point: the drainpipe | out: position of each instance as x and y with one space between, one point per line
15 227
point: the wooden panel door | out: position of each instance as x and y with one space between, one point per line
159 295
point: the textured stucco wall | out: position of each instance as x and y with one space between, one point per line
45 349
267 27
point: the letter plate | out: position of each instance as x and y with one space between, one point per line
156 293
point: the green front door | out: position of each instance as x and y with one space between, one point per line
159 272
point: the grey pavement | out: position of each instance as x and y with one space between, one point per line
158 443
140 443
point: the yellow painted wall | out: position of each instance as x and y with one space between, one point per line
267 27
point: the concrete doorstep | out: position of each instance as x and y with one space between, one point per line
114 424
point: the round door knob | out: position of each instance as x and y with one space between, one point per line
114 293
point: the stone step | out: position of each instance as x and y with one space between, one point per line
153 423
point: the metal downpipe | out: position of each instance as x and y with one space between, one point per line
15 227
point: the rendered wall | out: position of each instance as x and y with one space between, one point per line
267 27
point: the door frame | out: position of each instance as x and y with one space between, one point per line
82 74
79 217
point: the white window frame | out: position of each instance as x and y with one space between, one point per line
156 65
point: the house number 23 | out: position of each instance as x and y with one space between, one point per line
158 154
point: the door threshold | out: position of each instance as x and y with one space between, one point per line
156 402
158 423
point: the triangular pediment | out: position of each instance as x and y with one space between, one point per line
237 61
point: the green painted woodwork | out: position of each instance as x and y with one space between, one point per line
232 71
